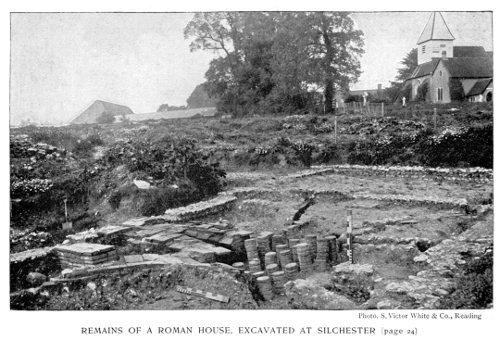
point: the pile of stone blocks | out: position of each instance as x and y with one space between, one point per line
85 254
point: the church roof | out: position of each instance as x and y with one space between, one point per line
468 51
479 87
435 29
472 67
425 69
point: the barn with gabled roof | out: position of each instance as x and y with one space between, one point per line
99 108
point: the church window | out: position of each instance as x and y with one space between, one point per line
440 73
443 54
423 49
439 94
442 45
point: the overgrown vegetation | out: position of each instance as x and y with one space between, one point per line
43 176
94 166
475 285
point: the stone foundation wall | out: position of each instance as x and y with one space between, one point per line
41 260
455 174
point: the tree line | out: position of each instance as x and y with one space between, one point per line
269 62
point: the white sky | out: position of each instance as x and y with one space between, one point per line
62 62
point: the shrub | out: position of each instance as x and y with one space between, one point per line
115 199
422 92
328 153
472 146
157 200
475 285
84 147
406 92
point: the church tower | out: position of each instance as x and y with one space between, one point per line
436 40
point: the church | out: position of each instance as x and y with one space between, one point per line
446 72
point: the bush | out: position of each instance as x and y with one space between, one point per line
115 199
422 92
327 154
475 285
84 147
157 200
406 92
472 146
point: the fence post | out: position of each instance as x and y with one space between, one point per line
435 118
382 109
335 129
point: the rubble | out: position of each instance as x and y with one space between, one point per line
200 209
455 174
310 294
359 270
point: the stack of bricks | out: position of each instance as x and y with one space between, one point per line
278 240
270 258
285 257
291 271
304 256
333 249
311 240
271 268
251 249
292 243
254 265
265 287
279 249
85 254
279 280
264 243
322 254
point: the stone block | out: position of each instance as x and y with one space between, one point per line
163 238
354 269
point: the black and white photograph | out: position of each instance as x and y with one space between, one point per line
252 160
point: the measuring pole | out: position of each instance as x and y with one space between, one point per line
335 129
65 210
349 236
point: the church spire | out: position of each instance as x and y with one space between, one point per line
435 29
436 40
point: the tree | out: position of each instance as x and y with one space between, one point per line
241 76
267 59
334 47
200 98
409 63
